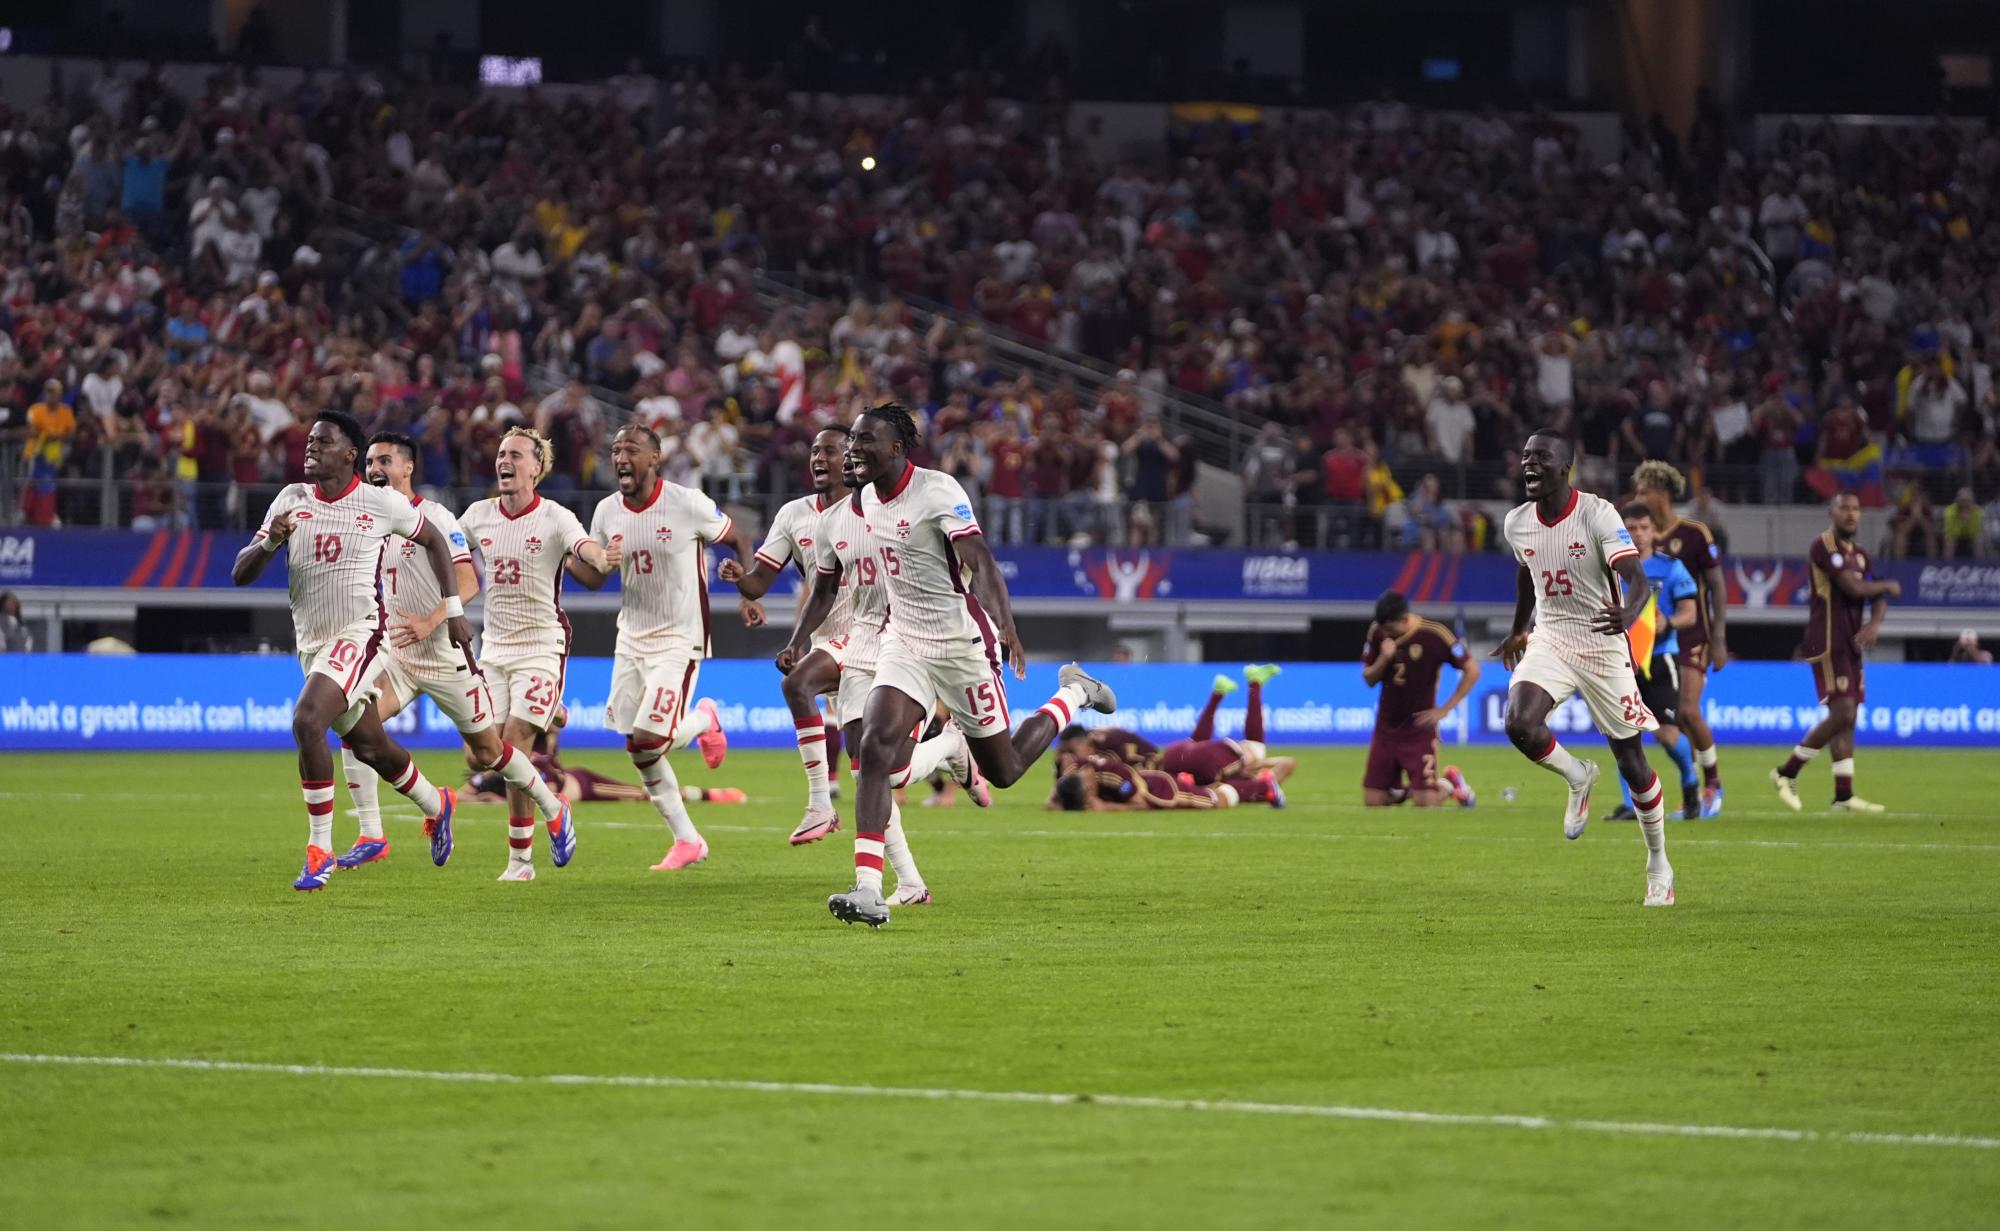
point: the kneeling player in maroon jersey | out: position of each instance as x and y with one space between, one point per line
1404 654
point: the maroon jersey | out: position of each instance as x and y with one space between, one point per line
1114 781
1835 618
1694 546
1127 746
1412 683
1207 761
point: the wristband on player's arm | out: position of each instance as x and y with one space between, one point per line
270 544
454 607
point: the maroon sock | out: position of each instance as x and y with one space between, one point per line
1711 776
1843 786
1204 727
1253 717
1791 767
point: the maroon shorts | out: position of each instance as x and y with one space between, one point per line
1839 676
1692 659
1398 753
1207 761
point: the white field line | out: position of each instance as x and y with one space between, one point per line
1324 1111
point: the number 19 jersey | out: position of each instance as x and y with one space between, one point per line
863 607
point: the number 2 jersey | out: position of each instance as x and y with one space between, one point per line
1570 563
524 554
794 537
410 588
911 534
337 549
664 575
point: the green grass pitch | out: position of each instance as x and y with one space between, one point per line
1833 976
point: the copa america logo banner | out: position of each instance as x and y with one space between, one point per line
194 702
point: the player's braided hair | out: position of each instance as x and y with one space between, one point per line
545 453
1656 473
897 417
640 429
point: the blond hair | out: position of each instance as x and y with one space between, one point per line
1662 475
545 453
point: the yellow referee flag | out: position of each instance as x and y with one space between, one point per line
1640 636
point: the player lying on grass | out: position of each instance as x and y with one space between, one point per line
579 785
1656 657
1404 655
1097 782
423 662
1581 586
949 623
1203 760
338 625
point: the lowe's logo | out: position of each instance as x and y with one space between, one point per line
1276 574
17 558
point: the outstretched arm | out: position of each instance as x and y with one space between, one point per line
990 588
438 549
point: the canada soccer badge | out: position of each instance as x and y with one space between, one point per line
533 546
1578 551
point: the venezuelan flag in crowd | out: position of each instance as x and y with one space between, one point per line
1860 474
1640 635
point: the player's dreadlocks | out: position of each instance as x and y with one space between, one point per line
897 417
1661 475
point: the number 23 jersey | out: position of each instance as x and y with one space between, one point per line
524 554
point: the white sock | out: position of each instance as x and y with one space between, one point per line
364 787
896 847
811 733
1705 757
1804 753
1843 768
319 813
416 788
519 770
1650 804
1227 795
693 723
1557 760
1064 705
926 757
662 787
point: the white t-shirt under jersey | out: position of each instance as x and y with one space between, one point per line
863 607
524 554
794 536
664 577
1570 563
410 588
336 550
912 533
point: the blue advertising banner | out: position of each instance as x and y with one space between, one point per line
50 701
183 559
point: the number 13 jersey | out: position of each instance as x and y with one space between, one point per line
664 577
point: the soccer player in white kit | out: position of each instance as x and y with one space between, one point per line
335 570
656 534
942 642
1574 553
423 662
524 650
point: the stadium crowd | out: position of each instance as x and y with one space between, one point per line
1392 295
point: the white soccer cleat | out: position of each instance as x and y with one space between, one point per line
1788 790
1659 890
1097 695
1854 803
910 895
518 872
1579 803
964 770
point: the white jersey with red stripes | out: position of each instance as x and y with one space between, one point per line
336 553
1569 561
794 537
912 533
664 577
524 554
863 607
410 589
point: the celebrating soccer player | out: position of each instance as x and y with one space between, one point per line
656 536
1843 584
1704 644
337 621
1655 657
1405 654
524 651
1573 553
941 642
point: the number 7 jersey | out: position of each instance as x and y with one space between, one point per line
1570 563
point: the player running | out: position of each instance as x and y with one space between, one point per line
338 624
1836 638
1405 654
656 535
524 651
423 661
1655 658
1573 553
940 642
1704 645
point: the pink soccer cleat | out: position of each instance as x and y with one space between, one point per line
714 744
818 823
683 854
1274 794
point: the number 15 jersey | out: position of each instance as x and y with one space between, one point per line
912 533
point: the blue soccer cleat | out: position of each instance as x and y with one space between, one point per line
562 837
318 871
364 850
438 828
1711 803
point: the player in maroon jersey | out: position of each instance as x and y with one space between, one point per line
1405 654
1093 782
1203 760
1129 747
1704 646
1837 634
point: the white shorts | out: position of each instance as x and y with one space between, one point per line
968 682
354 660
856 654
651 693
459 689
1610 689
530 689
